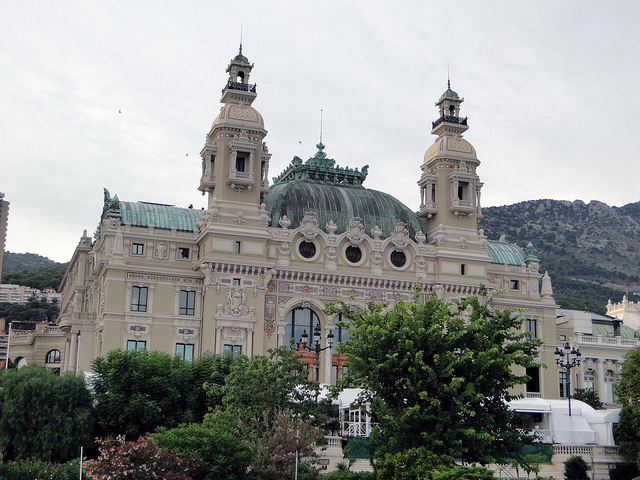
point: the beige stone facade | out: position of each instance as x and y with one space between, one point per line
256 268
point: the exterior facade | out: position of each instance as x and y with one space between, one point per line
4 220
256 268
603 341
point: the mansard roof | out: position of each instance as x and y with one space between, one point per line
143 214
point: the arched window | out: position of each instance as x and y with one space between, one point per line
300 320
20 362
590 379
609 380
53 356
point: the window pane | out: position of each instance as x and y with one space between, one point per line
136 344
187 302
139 299
185 351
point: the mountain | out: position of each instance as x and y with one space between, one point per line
591 251
32 270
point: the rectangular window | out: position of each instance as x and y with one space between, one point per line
187 302
183 253
463 269
514 285
236 282
533 384
531 327
139 299
241 161
137 249
136 344
233 349
564 385
185 351
238 247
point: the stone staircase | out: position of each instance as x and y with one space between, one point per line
546 470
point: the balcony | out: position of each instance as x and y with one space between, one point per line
449 119
243 87
207 182
240 180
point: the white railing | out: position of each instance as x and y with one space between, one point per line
534 395
355 429
599 339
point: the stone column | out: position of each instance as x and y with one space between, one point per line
73 351
602 393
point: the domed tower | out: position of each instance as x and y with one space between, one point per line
235 161
449 186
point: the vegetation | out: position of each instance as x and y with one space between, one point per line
28 315
139 391
43 416
588 396
628 394
221 452
36 469
575 468
32 270
439 380
143 459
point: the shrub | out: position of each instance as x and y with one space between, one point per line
575 468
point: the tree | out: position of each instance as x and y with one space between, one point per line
575 468
588 396
44 416
222 453
441 380
138 391
628 393
628 386
143 459
275 449
257 388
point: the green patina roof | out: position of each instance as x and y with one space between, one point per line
504 252
607 330
335 194
141 214
240 57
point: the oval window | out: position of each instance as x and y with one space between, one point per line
307 249
353 254
398 258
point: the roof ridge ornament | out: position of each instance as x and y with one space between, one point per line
321 169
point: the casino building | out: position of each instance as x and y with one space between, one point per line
256 268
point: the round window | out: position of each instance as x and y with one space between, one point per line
398 258
307 249
353 254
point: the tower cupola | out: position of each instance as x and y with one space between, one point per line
238 89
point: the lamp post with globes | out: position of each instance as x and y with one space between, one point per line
315 348
567 358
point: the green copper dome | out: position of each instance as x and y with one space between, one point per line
504 252
334 194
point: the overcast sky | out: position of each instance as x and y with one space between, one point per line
551 90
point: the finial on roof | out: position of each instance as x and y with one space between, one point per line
448 78
320 126
240 39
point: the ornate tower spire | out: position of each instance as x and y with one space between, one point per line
238 89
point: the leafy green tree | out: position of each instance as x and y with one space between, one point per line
43 416
138 391
588 396
575 468
628 393
441 380
257 388
222 453
628 386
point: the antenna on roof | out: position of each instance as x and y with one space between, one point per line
448 77
320 125
240 38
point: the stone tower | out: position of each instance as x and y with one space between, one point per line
449 185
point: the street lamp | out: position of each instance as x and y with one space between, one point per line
315 348
568 358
